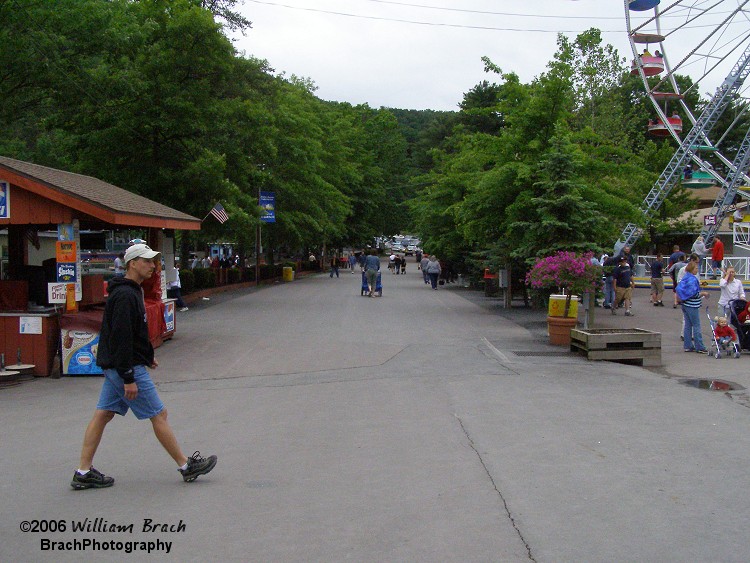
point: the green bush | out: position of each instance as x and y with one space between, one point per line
187 281
234 275
204 278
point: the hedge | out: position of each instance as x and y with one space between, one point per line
204 278
187 281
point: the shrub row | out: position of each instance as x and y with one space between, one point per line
203 278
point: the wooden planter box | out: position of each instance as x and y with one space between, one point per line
617 344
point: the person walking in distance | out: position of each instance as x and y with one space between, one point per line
677 257
699 248
423 266
174 290
120 265
623 277
372 267
433 270
334 266
717 257
657 281
608 265
125 353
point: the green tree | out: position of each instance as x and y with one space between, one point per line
554 215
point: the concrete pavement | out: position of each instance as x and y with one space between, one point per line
420 426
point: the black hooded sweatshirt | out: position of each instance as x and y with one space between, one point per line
123 341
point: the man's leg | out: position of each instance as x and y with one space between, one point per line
166 437
190 468
93 436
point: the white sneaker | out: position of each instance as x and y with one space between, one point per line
183 309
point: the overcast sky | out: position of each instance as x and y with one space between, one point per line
356 51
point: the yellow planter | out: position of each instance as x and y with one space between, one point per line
557 306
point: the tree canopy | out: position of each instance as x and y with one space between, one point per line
153 97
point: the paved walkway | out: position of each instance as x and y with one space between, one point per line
666 320
420 426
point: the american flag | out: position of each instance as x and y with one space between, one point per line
220 213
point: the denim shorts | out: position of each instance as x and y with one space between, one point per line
146 404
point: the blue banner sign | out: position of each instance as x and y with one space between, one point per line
4 200
66 272
268 205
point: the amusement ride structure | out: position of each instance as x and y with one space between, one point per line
710 41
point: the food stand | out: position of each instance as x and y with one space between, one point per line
51 304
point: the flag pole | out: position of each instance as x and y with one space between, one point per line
257 245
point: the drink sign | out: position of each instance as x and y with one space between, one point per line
56 292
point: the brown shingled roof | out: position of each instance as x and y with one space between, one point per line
129 208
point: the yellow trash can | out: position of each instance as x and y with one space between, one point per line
288 273
557 306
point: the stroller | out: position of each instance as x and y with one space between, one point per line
378 289
734 308
722 345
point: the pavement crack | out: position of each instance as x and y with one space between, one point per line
494 486
496 355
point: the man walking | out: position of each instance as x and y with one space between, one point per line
372 267
125 352
623 278
717 257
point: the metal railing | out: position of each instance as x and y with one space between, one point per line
741 265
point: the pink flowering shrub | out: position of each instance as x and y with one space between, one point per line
566 272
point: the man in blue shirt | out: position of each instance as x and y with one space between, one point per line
372 267
623 277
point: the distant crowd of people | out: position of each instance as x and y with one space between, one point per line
434 271
685 270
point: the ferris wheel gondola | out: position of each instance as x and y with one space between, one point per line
694 38
709 43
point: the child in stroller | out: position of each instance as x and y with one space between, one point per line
739 317
725 338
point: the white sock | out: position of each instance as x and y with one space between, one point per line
184 467
82 472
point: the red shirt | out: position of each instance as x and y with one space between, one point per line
725 330
717 250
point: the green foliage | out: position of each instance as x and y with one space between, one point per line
234 275
554 215
187 281
204 278
152 97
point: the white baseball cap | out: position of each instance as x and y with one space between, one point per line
140 251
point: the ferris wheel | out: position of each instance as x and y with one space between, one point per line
708 41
